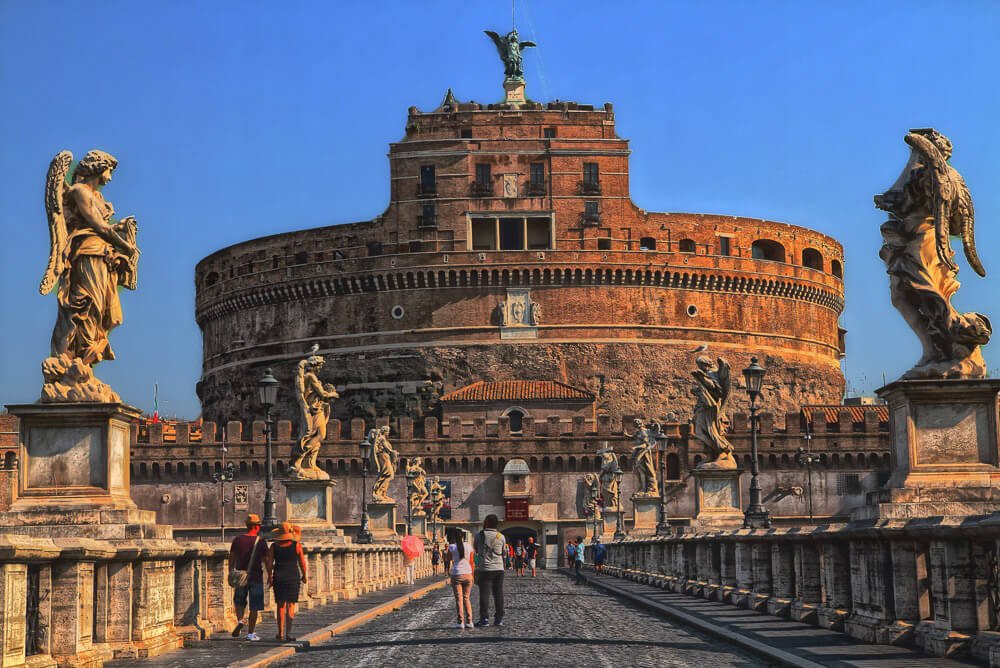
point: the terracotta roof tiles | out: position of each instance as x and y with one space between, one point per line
832 412
518 390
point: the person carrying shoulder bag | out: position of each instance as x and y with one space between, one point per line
490 547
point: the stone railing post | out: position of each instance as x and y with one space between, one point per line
835 583
782 578
807 582
744 574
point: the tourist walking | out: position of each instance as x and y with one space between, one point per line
246 576
446 557
491 547
531 554
287 571
461 575
436 556
519 559
570 554
578 561
600 553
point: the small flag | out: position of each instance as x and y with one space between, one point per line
156 406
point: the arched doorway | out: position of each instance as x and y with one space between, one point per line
519 533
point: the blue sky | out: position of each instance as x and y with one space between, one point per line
232 120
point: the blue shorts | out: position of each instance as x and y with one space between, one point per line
253 591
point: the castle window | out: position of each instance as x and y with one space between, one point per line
516 416
686 246
647 244
836 269
725 246
301 257
539 234
274 262
604 243
429 216
765 249
511 234
673 466
374 248
428 181
591 213
465 133
549 133
484 179
484 234
212 278
591 178
813 259
536 184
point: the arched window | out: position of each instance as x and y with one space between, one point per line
765 249
813 259
836 268
647 244
516 416
211 278
686 246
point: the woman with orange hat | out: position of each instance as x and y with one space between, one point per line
286 567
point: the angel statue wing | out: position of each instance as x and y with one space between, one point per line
501 44
55 187
725 384
525 45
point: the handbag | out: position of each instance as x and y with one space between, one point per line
238 578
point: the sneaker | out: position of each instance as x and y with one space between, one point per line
481 623
459 625
498 622
239 627
252 636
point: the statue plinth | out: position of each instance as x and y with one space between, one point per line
514 91
418 525
717 499
611 523
647 508
309 502
945 450
382 520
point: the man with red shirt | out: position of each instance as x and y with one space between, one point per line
247 554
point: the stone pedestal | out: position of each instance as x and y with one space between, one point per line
382 520
419 526
309 502
514 91
646 514
73 478
717 499
611 524
945 450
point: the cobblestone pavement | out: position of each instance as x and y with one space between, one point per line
548 621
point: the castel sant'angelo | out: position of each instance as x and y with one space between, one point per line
511 250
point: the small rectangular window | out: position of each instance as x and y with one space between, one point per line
849 484
590 174
604 244
549 133
537 182
484 234
724 248
483 173
428 183
591 213
511 234
539 233
428 216
466 133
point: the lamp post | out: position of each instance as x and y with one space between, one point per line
619 525
267 388
806 458
365 534
664 525
756 516
227 474
410 476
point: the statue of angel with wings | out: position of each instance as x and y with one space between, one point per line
509 47
313 398
90 256
928 204
711 391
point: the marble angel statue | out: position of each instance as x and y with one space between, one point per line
313 398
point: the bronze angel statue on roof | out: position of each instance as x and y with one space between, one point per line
927 205
509 47
90 257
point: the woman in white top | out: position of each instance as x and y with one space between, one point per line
461 575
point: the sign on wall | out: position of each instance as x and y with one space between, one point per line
241 496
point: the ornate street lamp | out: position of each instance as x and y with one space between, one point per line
267 388
756 516
619 525
410 476
664 526
221 477
806 458
365 534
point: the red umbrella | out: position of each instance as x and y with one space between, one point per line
413 546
